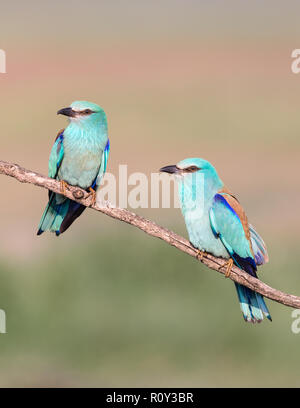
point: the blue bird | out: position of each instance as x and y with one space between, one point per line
217 224
79 158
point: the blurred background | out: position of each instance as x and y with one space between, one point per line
106 305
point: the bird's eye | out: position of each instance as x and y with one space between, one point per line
191 169
86 112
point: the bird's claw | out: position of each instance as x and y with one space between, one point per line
93 194
63 187
200 255
229 265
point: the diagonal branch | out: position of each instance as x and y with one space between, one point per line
150 228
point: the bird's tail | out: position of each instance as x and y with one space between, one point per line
252 304
59 214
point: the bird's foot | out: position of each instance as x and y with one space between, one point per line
63 187
200 255
93 194
229 265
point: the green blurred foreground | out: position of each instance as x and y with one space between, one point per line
132 311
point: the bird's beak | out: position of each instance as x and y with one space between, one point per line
172 169
67 112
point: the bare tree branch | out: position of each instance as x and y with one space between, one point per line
150 228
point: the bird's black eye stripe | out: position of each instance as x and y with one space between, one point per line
191 169
86 112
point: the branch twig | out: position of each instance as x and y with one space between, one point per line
150 228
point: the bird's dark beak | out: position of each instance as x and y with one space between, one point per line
67 112
173 169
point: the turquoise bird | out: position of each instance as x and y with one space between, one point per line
217 224
79 158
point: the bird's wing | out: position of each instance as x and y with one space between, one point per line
259 247
103 165
56 155
229 223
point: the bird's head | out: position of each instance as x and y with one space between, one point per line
188 170
187 167
84 113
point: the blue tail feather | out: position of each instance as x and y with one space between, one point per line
74 211
59 214
252 303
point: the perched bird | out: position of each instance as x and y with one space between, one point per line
217 224
79 158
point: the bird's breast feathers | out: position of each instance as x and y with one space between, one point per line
82 158
200 232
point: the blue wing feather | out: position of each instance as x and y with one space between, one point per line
227 226
56 155
103 166
259 247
